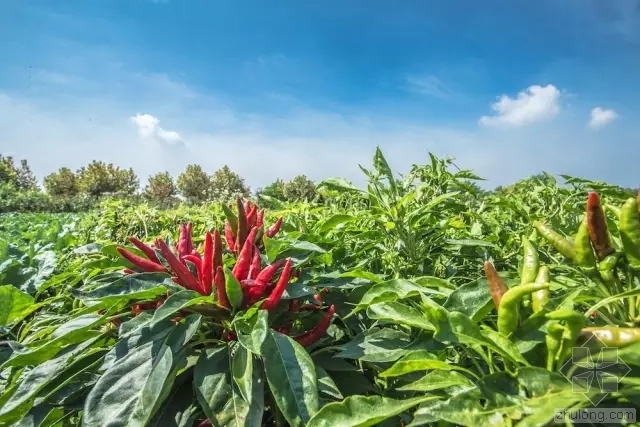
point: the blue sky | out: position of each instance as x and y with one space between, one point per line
275 89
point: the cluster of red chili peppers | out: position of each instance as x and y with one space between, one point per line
204 272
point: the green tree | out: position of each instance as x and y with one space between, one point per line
160 188
194 184
275 190
98 179
227 185
300 188
8 172
62 183
25 179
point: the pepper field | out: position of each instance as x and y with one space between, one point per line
420 300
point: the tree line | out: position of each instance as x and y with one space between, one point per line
68 190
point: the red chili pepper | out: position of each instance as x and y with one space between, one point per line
217 249
253 294
273 299
318 298
255 264
243 226
145 249
205 423
260 218
228 235
142 263
231 336
128 271
185 278
221 291
273 230
316 333
597 225
207 264
247 207
241 269
293 305
265 276
198 263
309 307
251 216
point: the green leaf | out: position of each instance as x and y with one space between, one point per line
242 371
472 299
130 391
399 313
438 380
420 360
363 411
339 184
376 345
391 290
233 288
14 304
292 379
142 286
334 221
176 302
252 330
220 397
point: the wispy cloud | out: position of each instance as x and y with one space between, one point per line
601 117
534 104
429 85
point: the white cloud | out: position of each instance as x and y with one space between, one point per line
601 117
149 127
536 103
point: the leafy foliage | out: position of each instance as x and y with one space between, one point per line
91 340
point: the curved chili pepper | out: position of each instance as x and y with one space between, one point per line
585 258
145 249
509 304
598 231
221 291
610 336
185 278
541 297
530 262
553 340
185 242
142 263
273 230
607 268
228 235
243 226
273 299
241 269
629 227
265 276
252 216
318 331
497 287
207 264
260 218
254 270
555 239
217 249
574 322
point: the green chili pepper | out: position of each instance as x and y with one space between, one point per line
530 263
610 336
231 217
629 227
559 243
574 322
585 257
541 297
607 268
508 309
553 340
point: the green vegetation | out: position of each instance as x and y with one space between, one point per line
422 300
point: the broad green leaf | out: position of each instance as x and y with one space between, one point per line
242 371
397 312
472 299
233 289
389 291
220 397
142 286
437 380
292 378
131 390
334 221
382 345
363 411
252 330
339 184
420 360
175 303
14 304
